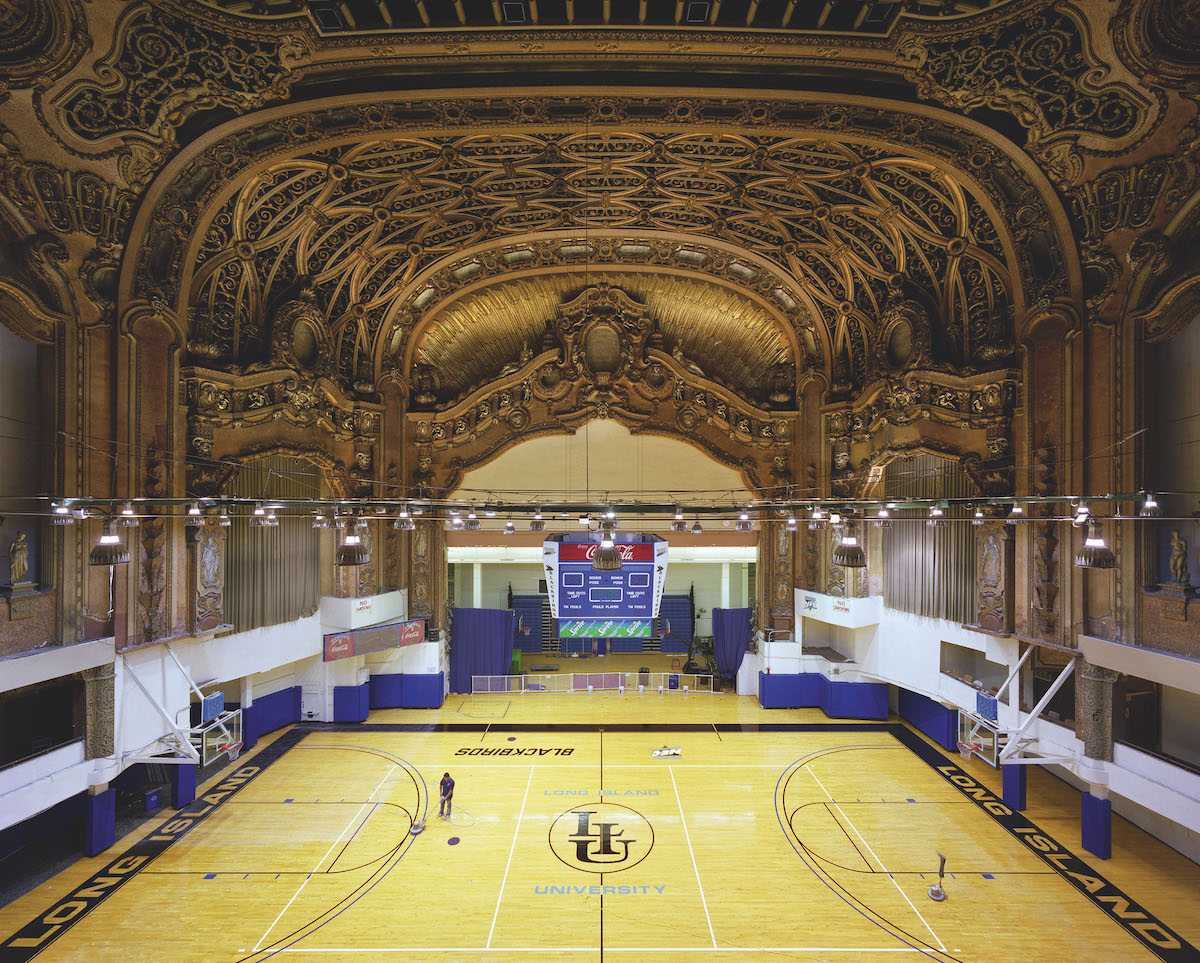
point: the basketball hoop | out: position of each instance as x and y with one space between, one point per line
967 749
233 748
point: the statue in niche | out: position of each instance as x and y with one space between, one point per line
18 558
1179 565
210 563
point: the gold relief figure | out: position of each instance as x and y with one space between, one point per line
18 558
210 563
1179 565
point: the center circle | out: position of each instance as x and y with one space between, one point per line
601 837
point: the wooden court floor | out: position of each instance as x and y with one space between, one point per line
771 835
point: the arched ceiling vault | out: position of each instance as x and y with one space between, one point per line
860 207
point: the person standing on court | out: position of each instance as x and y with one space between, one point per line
447 790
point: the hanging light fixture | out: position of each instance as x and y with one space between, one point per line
696 529
677 523
1017 514
584 519
456 521
490 513
352 551
319 521
193 519
977 518
608 556
743 524
109 550
259 518
882 518
937 517
848 552
1150 507
272 521
61 515
510 528
127 518
404 522
791 525
1095 553
816 522
472 523
223 519
1081 514
538 524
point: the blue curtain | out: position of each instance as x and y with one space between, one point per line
481 643
731 637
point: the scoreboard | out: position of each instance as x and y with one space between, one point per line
602 601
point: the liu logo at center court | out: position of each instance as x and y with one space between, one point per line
601 837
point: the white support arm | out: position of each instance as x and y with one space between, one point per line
185 743
1014 743
195 688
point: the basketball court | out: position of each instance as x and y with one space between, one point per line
782 838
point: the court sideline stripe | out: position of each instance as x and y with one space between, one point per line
39 933
941 945
1134 918
691 852
300 889
511 850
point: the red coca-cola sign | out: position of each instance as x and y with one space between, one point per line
586 551
412 632
339 646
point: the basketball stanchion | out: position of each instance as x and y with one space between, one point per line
936 892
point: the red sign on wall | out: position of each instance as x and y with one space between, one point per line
412 632
586 551
340 646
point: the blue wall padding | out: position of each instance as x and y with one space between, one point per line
676 610
269 712
100 820
1014 786
627 645
408 690
937 721
1097 825
386 690
351 703
840 700
857 700
424 691
575 645
183 784
528 633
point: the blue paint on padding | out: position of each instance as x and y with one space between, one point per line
424 691
351 703
840 700
1097 825
1014 786
100 821
269 713
183 784
937 721
386 690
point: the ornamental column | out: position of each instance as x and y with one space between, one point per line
1093 725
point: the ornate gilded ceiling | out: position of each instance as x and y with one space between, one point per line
841 223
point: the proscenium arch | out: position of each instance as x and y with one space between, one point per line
184 207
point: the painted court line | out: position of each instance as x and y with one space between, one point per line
511 850
687 836
353 820
877 859
607 949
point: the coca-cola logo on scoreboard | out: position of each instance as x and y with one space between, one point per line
586 552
